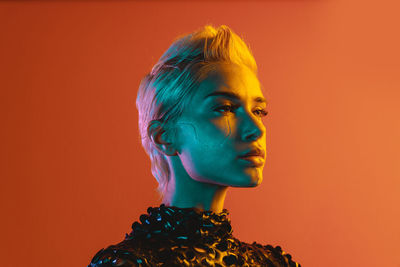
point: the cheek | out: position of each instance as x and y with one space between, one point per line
206 147
215 134
223 125
206 136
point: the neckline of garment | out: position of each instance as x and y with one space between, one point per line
181 223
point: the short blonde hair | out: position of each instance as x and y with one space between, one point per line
165 92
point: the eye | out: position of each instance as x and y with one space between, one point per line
262 113
227 108
230 108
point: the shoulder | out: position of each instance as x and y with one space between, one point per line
282 255
275 256
123 254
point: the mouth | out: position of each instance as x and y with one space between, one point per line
256 151
256 161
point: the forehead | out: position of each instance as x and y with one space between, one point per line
238 80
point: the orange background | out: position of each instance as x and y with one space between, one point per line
73 173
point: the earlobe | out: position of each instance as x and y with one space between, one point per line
161 138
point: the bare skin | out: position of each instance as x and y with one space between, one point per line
203 150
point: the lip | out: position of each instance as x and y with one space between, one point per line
256 161
255 151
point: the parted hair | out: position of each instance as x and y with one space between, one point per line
165 92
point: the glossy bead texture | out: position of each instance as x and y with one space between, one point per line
172 236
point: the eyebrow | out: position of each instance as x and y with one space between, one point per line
235 96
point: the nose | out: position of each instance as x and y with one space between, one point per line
252 128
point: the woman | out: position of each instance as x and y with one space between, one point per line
200 120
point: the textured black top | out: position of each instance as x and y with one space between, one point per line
171 236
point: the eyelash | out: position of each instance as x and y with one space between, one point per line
263 112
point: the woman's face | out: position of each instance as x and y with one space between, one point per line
217 128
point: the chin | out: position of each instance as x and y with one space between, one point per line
259 181
249 182
254 178
256 182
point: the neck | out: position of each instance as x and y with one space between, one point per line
211 199
185 192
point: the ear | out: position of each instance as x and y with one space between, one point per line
162 138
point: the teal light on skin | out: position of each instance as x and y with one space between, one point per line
203 149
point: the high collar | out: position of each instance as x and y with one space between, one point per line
181 224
